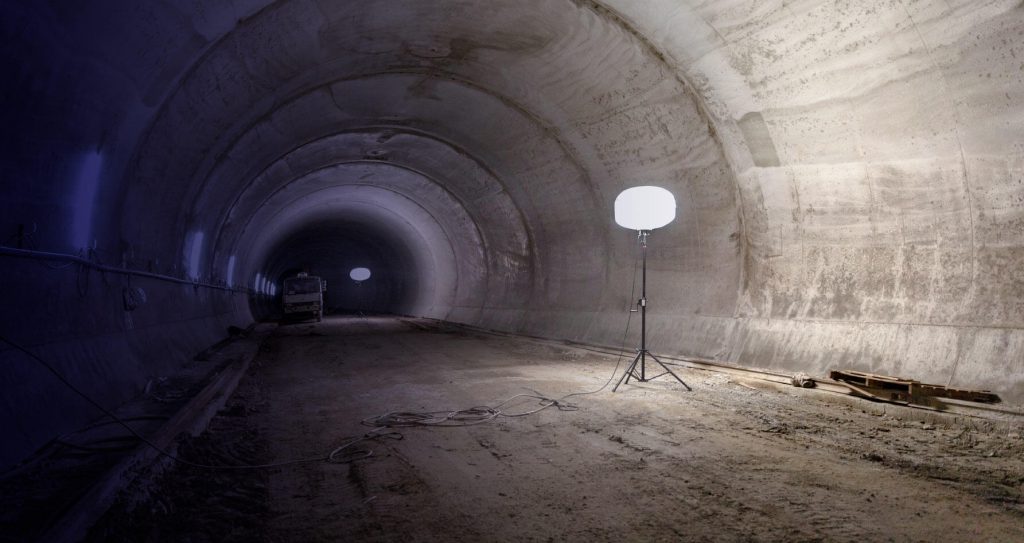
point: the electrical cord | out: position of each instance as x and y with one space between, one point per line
484 413
121 444
29 239
65 440
86 263
380 424
463 417
335 456
62 440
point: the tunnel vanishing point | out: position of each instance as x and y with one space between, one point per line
849 175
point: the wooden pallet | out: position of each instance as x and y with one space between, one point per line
898 389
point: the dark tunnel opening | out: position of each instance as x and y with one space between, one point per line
330 250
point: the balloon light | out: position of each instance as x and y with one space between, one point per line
359 274
645 208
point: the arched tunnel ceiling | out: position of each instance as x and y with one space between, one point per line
503 110
448 189
850 174
442 258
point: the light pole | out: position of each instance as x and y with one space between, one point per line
643 209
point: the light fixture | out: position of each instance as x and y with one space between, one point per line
359 274
231 272
195 253
643 209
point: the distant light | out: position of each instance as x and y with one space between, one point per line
257 282
195 253
231 271
645 208
273 289
359 274
87 183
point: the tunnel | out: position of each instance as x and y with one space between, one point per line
848 178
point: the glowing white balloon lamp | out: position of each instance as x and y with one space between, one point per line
359 274
643 209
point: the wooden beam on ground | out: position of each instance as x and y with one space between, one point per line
908 390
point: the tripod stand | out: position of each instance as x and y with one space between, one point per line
359 299
642 352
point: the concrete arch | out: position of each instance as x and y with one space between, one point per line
850 174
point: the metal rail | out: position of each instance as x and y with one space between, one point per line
75 259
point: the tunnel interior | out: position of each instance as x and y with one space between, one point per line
849 179
338 248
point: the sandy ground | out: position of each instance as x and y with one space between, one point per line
651 462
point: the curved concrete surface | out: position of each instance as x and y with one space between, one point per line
850 177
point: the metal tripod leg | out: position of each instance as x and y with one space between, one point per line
670 372
629 371
642 352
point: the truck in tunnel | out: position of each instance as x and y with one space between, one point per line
302 296
848 188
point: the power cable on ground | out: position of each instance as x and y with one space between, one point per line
381 424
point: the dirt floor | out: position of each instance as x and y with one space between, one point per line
652 462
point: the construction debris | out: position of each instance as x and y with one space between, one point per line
900 390
803 380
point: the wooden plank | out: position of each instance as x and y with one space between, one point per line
873 396
901 389
982 396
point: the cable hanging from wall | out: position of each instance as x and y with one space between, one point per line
381 426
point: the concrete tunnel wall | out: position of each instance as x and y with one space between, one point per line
850 177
